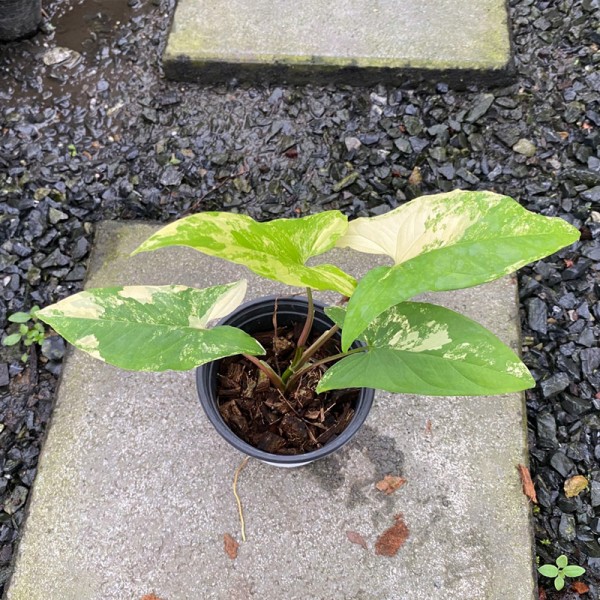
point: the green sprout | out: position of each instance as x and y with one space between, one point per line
31 331
72 150
560 571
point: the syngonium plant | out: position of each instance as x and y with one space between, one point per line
440 242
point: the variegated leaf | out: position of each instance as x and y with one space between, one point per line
420 348
152 328
445 242
276 250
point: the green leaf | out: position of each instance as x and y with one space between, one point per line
573 571
445 242
23 329
420 348
337 314
559 583
276 250
11 340
19 317
548 570
562 561
152 328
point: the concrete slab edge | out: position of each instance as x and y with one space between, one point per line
181 67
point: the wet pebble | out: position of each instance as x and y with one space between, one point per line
562 464
525 147
53 347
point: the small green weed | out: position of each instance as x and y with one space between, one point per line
31 331
560 571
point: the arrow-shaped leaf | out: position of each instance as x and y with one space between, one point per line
420 348
445 242
152 328
277 249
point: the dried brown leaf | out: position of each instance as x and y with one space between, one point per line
575 485
356 538
150 597
415 178
392 539
541 594
389 484
231 546
528 488
579 587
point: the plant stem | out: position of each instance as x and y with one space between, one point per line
314 347
322 361
310 316
268 371
237 498
310 351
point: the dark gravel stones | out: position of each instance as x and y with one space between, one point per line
537 314
53 347
554 384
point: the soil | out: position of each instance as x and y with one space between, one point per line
295 423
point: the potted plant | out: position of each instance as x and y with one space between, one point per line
284 379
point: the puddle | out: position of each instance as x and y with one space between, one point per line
83 58
86 26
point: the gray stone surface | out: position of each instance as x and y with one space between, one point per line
211 39
133 493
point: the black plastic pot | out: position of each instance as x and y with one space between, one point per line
19 18
257 316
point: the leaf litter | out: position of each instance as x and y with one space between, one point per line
389 484
580 588
356 538
231 546
575 485
393 538
527 483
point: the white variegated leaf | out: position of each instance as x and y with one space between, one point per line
420 348
276 249
445 242
152 328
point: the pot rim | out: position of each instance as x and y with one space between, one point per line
206 373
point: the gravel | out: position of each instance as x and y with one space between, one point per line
99 135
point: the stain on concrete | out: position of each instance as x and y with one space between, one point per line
327 472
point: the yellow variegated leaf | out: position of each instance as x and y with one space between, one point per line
277 249
152 328
445 242
420 348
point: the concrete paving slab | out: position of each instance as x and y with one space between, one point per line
133 493
357 42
